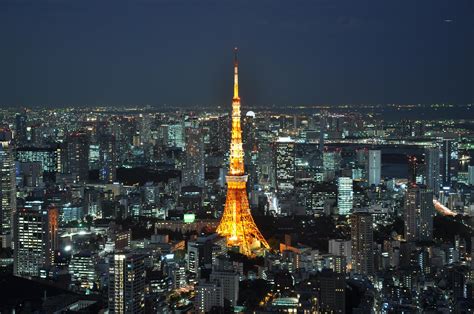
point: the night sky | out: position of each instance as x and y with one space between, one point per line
179 52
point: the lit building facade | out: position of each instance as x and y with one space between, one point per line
362 239
127 283
432 169
450 159
418 214
285 165
35 236
7 183
345 195
193 172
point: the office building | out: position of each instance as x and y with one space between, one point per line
344 195
77 156
35 238
449 164
209 295
127 283
7 184
285 164
21 133
107 160
49 157
374 167
82 270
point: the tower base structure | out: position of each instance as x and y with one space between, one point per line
237 224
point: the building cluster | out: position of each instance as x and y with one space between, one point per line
121 206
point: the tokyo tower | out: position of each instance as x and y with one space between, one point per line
237 224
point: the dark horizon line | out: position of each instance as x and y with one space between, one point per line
219 106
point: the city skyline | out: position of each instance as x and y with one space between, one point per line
343 182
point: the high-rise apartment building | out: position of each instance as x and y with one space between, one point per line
362 238
193 171
419 212
432 169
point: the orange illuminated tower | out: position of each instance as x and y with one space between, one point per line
237 224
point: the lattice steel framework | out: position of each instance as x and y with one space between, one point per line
237 224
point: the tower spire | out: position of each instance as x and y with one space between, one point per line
236 75
237 224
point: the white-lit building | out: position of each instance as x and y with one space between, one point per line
345 195
82 270
33 245
7 183
285 164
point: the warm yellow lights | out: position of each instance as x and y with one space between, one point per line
237 224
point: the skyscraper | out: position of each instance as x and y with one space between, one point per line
77 156
374 165
127 283
432 169
7 185
107 158
449 167
35 236
344 195
427 211
362 243
193 172
419 212
411 198
21 135
237 224
285 165
413 169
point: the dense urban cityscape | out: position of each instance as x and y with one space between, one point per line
133 210
270 156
